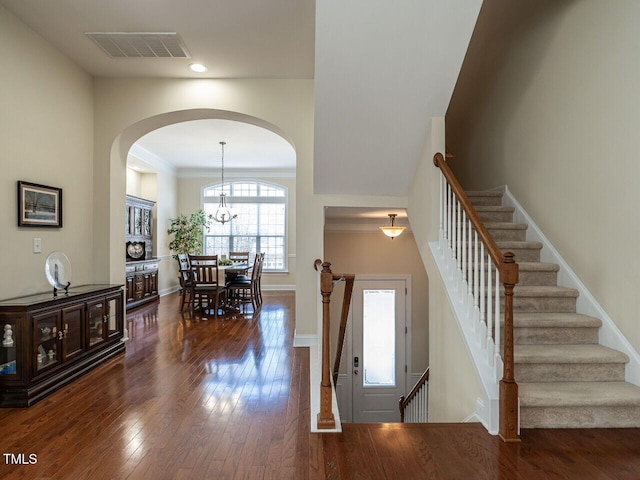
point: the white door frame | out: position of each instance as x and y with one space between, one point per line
344 387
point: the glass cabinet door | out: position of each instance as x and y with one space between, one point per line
46 335
8 349
114 307
96 322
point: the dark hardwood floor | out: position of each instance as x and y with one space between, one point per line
228 398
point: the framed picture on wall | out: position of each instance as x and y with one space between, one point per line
39 205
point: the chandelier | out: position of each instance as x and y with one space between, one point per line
223 213
392 230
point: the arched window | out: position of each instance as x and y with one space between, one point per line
261 224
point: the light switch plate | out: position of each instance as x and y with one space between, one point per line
37 245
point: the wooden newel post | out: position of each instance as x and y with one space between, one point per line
325 417
508 428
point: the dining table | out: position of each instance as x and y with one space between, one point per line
225 272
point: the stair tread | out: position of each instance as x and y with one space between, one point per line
531 267
504 244
563 354
483 193
538 267
544 291
574 394
505 226
552 320
494 208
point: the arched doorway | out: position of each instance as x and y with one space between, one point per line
119 154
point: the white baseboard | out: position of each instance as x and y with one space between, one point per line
169 291
610 335
305 340
284 288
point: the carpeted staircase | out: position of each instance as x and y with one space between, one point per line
566 379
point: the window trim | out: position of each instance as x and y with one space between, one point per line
214 199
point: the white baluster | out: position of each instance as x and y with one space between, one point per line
441 210
489 317
483 286
497 339
463 249
469 269
476 279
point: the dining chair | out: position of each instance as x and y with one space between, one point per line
205 286
185 278
239 257
259 279
244 290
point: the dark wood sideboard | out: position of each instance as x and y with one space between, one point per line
49 341
141 268
142 282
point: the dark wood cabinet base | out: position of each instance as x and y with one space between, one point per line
50 341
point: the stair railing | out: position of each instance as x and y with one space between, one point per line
473 255
413 407
328 280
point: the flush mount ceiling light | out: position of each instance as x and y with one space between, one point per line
198 67
392 230
223 213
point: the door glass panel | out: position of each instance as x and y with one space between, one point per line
379 338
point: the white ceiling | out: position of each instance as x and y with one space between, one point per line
190 147
234 38
382 69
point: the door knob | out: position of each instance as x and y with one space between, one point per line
355 372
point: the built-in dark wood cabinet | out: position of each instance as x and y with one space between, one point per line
142 267
49 341
142 282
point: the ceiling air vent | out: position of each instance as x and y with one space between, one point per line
150 45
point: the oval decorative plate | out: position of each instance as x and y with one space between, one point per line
57 268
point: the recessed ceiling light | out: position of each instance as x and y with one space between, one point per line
198 67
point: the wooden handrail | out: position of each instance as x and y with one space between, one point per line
404 401
508 270
483 233
346 303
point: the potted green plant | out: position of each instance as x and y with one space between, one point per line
187 232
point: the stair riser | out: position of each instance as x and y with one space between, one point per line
542 304
485 201
555 336
579 417
569 372
496 216
524 254
530 278
508 234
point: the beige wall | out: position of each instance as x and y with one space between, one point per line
374 253
126 109
46 137
547 103
454 385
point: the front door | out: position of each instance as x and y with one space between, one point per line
378 362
